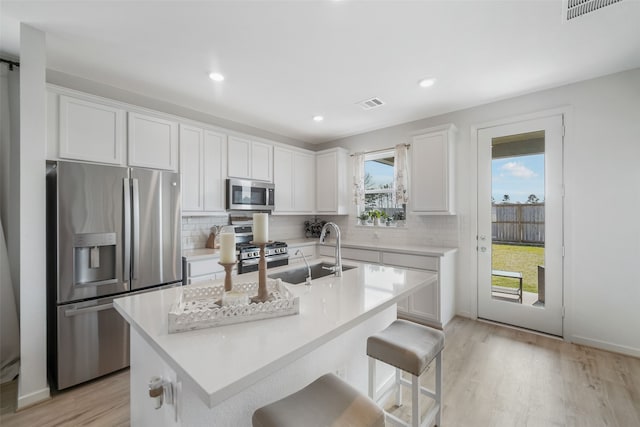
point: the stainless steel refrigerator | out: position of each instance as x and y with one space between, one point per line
110 231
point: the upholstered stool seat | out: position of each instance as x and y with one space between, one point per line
409 347
326 402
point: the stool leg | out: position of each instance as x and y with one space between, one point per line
438 386
372 378
415 401
398 387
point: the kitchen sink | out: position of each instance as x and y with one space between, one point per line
299 274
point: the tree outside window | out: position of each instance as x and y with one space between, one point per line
378 185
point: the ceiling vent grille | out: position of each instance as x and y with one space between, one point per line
369 104
577 8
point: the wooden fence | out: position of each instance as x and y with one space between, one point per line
518 223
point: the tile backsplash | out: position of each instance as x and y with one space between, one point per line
419 231
196 229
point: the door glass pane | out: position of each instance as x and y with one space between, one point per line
518 218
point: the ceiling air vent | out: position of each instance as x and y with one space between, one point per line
369 104
577 8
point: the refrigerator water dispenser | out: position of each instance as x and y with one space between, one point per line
94 259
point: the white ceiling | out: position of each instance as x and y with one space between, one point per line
287 61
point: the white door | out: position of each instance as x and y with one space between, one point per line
520 234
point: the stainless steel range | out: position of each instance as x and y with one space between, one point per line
276 253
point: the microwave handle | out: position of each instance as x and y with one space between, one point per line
271 196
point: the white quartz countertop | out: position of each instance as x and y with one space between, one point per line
221 361
196 254
382 246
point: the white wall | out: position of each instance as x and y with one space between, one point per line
602 185
32 385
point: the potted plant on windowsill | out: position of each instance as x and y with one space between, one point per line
375 215
399 218
363 218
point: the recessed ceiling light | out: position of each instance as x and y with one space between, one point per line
216 77
428 82
318 118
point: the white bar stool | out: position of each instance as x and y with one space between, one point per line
408 347
326 402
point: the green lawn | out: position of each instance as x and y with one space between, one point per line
524 259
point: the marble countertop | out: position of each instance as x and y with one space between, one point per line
328 308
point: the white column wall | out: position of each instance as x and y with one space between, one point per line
32 385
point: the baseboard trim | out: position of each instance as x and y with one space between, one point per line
31 398
605 345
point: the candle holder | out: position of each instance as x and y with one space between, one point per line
228 266
263 295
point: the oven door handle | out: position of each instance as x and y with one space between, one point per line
255 261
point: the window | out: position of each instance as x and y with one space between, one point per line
378 184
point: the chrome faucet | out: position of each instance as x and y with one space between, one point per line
307 281
337 269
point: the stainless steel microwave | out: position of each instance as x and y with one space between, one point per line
247 195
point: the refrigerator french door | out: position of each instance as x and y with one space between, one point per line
110 231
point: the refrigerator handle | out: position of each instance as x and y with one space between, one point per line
136 230
126 235
76 311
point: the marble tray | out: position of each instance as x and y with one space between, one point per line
201 307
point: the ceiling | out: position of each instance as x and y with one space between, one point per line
287 61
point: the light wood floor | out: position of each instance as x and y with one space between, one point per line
493 376
102 402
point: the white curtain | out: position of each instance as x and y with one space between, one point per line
9 327
401 175
358 181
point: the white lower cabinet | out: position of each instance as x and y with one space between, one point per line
362 255
433 305
202 270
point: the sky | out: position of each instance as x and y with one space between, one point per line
380 174
518 177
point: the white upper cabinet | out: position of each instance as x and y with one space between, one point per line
192 168
332 181
214 150
294 179
250 159
153 142
91 131
202 164
432 172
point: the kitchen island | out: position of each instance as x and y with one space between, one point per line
222 374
